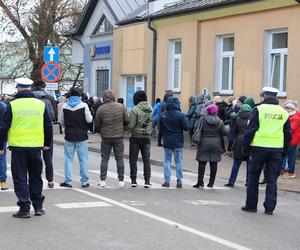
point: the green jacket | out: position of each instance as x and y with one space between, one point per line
140 120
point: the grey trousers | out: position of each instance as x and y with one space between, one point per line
117 145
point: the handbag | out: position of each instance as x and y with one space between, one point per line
196 138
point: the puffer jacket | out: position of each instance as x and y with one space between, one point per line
172 123
140 120
295 127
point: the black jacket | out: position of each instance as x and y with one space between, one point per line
254 126
6 122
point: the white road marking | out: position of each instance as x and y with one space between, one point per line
134 203
9 209
164 220
82 205
207 202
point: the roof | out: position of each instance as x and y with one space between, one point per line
181 7
119 11
188 6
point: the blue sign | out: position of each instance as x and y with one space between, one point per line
51 54
99 50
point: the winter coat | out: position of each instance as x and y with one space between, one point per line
111 117
47 99
295 127
211 145
222 110
190 113
172 123
156 109
240 128
140 120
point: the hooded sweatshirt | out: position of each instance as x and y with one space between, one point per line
141 120
172 123
111 117
75 117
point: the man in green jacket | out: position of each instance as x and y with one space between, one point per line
141 129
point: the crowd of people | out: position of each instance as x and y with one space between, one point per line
238 128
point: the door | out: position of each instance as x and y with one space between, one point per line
102 81
133 83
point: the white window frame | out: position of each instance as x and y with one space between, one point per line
171 64
269 65
220 54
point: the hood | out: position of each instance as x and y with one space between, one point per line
108 96
173 104
212 119
74 101
39 94
24 94
145 107
271 100
245 114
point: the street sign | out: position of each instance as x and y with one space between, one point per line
51 54
51 72
52 86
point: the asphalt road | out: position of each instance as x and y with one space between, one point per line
139 218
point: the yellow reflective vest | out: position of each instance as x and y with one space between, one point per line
27 125
271 122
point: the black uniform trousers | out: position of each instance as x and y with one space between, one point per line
48 160
273 163
27 189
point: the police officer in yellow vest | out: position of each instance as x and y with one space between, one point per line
266 139
28 125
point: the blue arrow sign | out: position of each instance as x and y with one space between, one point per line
51 54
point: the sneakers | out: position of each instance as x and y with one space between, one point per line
229 185
39 212
102 184
64 184
166 184
289 176
85 185
121 184
179 184
21 215
50 184
133 183
147 184
198 185
4 185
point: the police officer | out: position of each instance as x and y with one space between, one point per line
28 125
267 138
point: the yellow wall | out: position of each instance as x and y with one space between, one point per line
188 34
132 54
198 51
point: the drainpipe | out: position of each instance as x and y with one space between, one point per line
153 59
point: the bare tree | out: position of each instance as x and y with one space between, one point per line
35 23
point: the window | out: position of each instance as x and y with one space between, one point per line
174 78
133 84
225 64
276 44
104 26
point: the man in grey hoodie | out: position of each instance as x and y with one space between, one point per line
141 130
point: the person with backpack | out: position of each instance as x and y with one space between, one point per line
38 89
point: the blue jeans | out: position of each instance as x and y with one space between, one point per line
235 170
3 164
82 153
290 160
178 155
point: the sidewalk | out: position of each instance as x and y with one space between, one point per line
189 162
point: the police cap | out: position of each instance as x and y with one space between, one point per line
23 83
270 91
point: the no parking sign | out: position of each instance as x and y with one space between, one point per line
51 72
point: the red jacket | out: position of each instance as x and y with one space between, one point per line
295 126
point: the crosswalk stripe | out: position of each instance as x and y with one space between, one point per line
9 209
83 205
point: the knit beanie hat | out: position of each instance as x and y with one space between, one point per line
290 106
242 98
249 101
217 99
212 109
245 107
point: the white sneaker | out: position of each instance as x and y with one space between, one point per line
102 184
121 184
